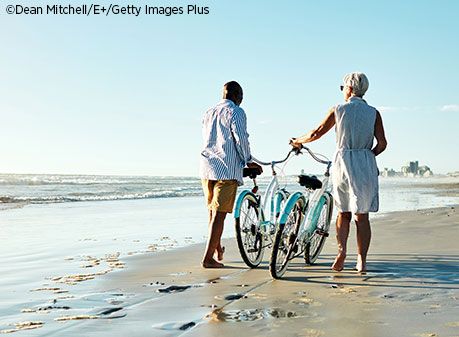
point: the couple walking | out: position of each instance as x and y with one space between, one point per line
354 171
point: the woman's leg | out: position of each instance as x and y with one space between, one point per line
363 240
342 233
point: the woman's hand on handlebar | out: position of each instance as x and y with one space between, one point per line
294 142
255 166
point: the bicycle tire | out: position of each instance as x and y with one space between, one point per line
250 240
284 238
322 226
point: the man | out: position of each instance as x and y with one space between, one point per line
226 152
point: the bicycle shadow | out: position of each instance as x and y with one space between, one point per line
385 270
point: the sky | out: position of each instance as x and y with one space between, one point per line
125 95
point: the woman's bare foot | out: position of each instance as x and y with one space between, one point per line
220 252
360 269
338 265
361 266
211 264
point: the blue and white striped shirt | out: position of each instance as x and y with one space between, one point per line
226 142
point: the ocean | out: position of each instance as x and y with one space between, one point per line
19 190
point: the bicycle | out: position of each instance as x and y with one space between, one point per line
304 223
256 219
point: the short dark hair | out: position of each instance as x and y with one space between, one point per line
232 87
232 91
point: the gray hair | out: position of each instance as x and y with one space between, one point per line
358 82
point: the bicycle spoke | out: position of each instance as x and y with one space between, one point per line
249 240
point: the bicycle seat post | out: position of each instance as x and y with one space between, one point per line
255 186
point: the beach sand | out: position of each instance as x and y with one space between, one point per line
410 289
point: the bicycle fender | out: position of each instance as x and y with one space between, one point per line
330 196
237 209
278 201
314 215
289 205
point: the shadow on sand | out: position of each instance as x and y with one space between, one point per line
385 270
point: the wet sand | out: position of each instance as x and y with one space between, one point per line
410 289
445 189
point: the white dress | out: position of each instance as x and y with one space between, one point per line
354 170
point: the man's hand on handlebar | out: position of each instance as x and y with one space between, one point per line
255 166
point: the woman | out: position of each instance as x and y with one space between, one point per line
354 170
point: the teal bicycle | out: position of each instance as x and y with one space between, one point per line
256 217
304 223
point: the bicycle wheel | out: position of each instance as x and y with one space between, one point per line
250 240
284 240
317 241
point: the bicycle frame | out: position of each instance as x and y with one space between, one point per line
269 203
313 205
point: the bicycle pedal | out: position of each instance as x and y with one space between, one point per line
318 231
253 250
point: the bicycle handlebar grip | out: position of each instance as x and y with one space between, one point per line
250 172
291 143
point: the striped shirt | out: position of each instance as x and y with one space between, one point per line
226 142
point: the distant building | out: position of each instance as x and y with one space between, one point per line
412 169
389 173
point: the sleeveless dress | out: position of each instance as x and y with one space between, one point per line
354 170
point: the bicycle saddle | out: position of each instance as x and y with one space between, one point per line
250 172
309 181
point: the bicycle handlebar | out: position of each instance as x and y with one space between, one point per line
313 155
296 151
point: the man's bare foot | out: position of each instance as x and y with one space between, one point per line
220 252
338 265
211 264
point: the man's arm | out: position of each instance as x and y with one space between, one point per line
381 142
241 136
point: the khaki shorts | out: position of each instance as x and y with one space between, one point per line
220 194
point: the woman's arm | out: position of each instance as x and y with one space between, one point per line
318 132
381 141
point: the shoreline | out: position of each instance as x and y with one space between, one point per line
411 289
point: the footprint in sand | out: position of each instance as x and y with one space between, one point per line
249 315
77 317
173 289
309 302
24 326
258 296
312 332
176 326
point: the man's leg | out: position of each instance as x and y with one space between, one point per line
363 240
219 249
215 234
342 232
